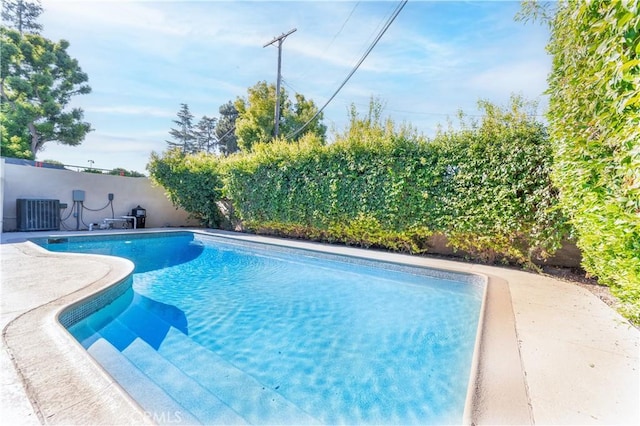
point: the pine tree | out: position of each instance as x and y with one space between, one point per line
205 134
21 15
225 129
184 137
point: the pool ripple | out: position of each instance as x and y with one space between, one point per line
257 402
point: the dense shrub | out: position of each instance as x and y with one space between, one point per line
192 182
498 196
485 187
595 127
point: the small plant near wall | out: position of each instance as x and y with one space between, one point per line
123 172
91 170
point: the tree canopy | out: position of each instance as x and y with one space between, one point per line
256 116
38 78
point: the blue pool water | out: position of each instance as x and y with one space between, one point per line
212 331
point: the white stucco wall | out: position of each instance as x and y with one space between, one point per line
20 181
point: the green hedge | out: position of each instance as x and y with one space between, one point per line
486 187
191 182
594 117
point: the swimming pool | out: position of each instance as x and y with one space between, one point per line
221 332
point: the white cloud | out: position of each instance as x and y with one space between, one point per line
528 77
114 16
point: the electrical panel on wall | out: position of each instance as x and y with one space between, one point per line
78 195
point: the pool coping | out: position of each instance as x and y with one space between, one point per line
499 394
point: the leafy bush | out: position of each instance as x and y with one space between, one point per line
595 127
119 171
486 187
496 198
192 182
92 170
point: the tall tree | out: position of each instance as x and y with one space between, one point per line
205 134
256 115
21 15
38 78
300 113
225 129
183 136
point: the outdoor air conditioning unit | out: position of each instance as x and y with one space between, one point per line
38 215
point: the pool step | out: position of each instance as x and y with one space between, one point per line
198 401
146 319
151 323
256 402
228 385
159 406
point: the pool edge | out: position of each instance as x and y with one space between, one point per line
534 301
497 392
62 383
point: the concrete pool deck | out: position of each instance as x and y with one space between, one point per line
550 352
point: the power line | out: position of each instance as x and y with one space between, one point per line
306 72
355 68
342 27
380 25
227 133
286 83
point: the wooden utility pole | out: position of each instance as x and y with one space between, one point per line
279 39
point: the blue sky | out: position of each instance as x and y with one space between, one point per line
145 58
